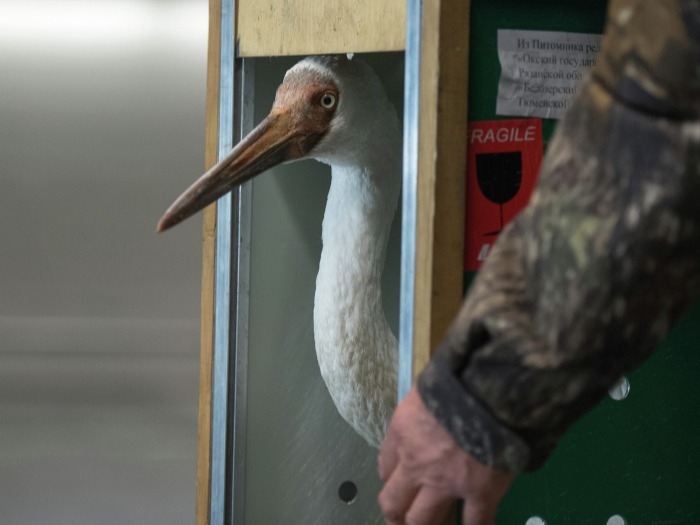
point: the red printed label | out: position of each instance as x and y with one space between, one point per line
503 159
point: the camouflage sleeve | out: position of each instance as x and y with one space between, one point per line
587 280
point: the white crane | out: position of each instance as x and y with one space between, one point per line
334 110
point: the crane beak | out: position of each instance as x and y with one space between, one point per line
275 140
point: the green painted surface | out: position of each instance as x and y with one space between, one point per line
639 457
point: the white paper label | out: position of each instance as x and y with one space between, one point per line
541 70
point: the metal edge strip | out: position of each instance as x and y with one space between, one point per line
220 466
240 379
414 9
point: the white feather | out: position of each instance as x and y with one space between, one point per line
356 350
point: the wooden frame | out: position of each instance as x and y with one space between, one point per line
306 27
442 146
441 158
208 256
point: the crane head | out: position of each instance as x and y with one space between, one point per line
309 117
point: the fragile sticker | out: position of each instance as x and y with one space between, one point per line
503 160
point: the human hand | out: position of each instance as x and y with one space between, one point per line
425 471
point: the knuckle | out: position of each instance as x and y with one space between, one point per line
477 514
392 516
386 504
426 513
391 513
416 520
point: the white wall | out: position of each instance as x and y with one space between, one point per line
101 126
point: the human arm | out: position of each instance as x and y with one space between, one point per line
586 282
424 471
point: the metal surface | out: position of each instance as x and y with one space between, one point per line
620 390
280 450
409 196
240 377
535 520
298 450
229 395
616 520
221 460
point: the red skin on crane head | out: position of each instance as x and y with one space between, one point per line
301 115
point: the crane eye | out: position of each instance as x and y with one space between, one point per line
328 100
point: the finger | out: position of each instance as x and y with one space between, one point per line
397 495
388 455
430 506
481 504
479 512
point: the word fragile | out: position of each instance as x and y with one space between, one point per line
503 134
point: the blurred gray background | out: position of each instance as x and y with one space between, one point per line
101 126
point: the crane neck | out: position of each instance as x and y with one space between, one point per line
361 205
355 347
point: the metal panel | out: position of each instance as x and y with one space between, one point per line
280 451
298 449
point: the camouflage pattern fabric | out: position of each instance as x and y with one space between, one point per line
585 283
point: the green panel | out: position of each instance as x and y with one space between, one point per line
639 457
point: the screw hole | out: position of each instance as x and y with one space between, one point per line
347 492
